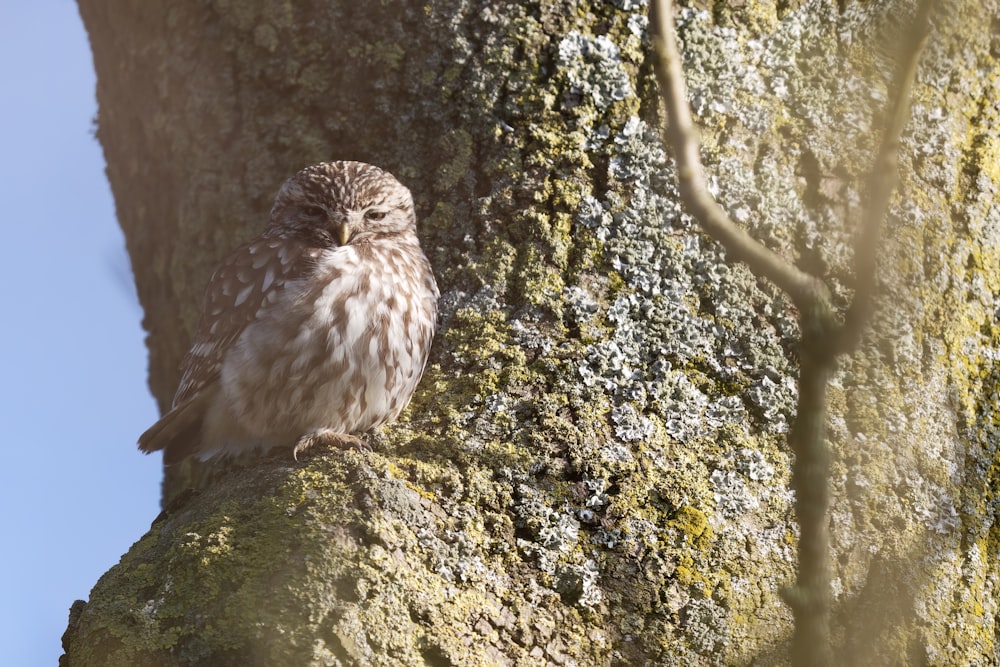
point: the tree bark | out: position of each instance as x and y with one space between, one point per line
594 470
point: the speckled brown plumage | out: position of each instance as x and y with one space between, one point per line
315 331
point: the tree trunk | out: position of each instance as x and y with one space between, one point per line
594 469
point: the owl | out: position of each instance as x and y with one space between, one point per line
315 331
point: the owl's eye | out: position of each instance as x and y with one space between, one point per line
374 214
314 211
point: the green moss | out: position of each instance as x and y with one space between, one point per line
694 526
457 144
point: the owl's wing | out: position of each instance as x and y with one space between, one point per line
252 277
246 281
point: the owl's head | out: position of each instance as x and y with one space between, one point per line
337 203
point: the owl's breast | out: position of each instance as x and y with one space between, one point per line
342 349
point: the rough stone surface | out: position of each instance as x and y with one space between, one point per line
594 470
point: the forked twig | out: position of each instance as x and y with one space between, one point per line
823 336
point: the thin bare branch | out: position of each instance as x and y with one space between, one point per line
810 597
804 290
822 338
884 178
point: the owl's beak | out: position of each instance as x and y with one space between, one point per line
345 233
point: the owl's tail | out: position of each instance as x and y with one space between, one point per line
177 433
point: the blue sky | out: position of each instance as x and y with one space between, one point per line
74 492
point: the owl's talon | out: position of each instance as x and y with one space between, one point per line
330 440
